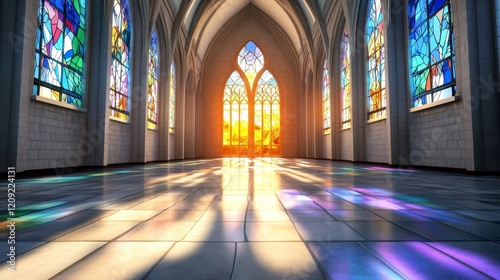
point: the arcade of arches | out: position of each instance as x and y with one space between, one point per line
404 83
250 139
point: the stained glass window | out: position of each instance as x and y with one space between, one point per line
345 79
60 50
251 61
267 116
120 60
259 135
172 99
153 81
236 125
376 60
432 57
326 98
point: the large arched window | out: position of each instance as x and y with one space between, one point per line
153 81
376 60
235 126
251 107
171 99
60 51
345 79
267 115
121 34
326 99
432 56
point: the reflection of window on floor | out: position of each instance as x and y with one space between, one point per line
251 90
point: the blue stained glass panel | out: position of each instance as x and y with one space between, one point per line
431 48
435 5
60 50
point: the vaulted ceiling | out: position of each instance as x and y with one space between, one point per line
204 18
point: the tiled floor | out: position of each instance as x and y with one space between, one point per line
255 219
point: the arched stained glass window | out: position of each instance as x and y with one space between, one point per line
60 51
267 116
172 99
326 99
345 79
236 121
153 82
251 111
251 61
432 56
120 60
376 60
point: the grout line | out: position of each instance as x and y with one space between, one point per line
234 259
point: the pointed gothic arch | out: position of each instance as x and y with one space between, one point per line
251 107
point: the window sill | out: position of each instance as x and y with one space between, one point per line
118 120
153 129
57 103
377 119
345 129
434 104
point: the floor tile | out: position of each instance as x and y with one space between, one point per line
483 256
485 215
153 205
223 215
327 231
158 231
271 231
48 231
359 220
383 231
20 248
354 215
274 260
416 260
131 215
400 215
46 261
196 261
172 215
349 260
310 215
118 260
267 216
98 231
332 202
217 231
265 203
483 229
436 231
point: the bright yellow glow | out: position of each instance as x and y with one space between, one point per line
238 127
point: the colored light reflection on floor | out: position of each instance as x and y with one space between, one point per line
264 218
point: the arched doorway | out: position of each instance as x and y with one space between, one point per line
251 107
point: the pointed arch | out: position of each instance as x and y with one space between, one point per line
251 114
121 39
171 98
376 60
267 116
251 61
235 116
326 98
345 78
153 69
